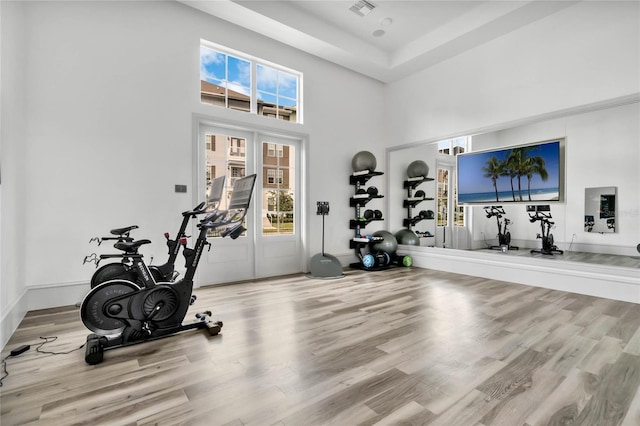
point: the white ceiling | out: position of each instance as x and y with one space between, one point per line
421 33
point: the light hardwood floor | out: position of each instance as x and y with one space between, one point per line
403 346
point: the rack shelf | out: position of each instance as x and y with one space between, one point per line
358 201
411 202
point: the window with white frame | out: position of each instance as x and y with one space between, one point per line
275 176
274 150
211 142
241 82
453 146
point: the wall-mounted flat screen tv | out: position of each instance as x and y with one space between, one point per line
523 173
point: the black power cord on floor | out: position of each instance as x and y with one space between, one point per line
22 349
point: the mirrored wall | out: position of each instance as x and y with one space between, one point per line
599 215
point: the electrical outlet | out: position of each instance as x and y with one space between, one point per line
181 188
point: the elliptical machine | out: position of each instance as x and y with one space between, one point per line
125 270
543 214
504 236
122 312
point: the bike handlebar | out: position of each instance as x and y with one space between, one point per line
199 209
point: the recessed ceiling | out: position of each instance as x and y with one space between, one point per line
392 40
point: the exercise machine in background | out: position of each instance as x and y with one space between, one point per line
504 236
543 214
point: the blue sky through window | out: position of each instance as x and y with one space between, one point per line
277 87
225 70
272 85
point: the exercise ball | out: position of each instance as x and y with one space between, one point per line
407 237
418 168
364 160
388 245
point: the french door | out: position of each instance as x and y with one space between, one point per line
272 244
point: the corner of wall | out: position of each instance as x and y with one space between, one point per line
12 317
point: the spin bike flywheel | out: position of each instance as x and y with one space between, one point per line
92 308
160 303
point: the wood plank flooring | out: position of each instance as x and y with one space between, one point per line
403 346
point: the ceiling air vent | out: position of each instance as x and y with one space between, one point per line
362 8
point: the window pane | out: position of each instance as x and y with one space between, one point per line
443 198
278 189
240 73
226 157
267 98
279 216
267 78
212 65
287 85
287 102
458 210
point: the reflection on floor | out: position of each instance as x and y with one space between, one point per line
576 256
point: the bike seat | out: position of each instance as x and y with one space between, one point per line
122 231
130 247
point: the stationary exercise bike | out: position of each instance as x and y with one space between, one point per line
504 236
122 312
125 270
543 214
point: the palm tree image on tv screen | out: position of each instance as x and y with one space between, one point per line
518 174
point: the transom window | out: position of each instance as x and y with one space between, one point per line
453 146
237 81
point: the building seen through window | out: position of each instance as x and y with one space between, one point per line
248 84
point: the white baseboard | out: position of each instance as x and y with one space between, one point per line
55 295
605 281
11 319
39 297
567 246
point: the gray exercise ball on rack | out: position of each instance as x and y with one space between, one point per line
363 160
417 168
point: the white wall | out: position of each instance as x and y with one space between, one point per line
585 53
109 90
13 301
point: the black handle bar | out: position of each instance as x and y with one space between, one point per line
199 209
